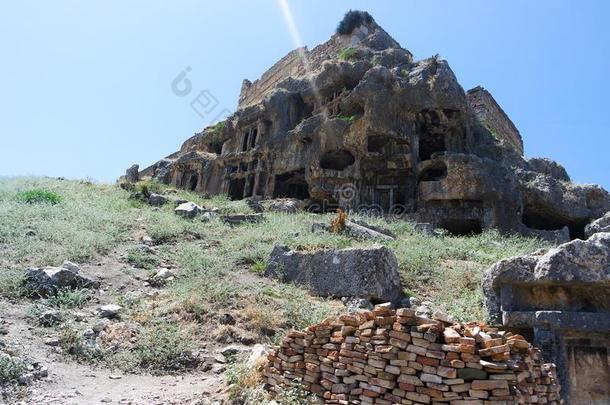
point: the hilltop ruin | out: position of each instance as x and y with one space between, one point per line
357 123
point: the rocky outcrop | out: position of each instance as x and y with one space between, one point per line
600 225
370 273
49 280
357 123
562 298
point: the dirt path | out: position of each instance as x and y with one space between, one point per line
73 383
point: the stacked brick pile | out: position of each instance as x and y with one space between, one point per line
388 356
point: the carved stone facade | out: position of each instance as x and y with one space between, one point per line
560 300
356 123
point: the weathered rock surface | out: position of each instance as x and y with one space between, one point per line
365 127
188 210
599 225
370 273
48 280
236 219
157 200
562 298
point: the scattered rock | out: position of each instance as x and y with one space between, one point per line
52 341
285 205
162 276
109 311
188 210
50 317
236 219
353 305
370 273
48 280
227 319
258 352
157 200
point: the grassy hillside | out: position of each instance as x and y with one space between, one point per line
46 221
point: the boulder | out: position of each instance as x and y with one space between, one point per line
370 273
599 225
48 280
285 205
157 200
132 174
236 219
109 311
188 210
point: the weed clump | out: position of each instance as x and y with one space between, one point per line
39 196
348 53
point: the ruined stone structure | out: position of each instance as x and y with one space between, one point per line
388 356
356 122
561 301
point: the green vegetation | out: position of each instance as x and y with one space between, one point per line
67 299
218 268
404 73
348 53
347 118
10 370
38 196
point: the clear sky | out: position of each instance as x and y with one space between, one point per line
85 86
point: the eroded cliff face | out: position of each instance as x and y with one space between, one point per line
356 123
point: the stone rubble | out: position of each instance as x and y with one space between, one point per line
388 356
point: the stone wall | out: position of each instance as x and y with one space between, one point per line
290 65
493 117
388 356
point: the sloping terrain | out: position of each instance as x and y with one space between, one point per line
167 342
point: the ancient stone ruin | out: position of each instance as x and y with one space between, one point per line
388 356
357 123
560 300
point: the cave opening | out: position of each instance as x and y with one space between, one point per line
215 148
462 226
549 222
337 160
435 172
376 143
193 182
291 185
430 144
236 188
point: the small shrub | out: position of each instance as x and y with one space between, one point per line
10 369
404 72
67 299
348 53
39 196
164 347
259 267
353 19
141 259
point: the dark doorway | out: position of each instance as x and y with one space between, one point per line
337 160
291 185
236 189
430 144
461 227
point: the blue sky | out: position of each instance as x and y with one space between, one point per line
85 87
